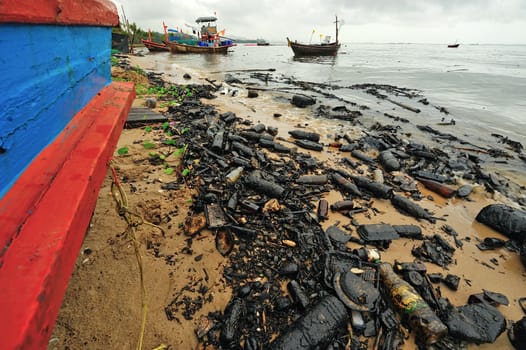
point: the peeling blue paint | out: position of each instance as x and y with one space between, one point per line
49 73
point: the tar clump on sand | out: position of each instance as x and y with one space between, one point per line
297 286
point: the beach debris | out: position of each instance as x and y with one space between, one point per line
477 323
316 328
436 250
193 224
345 185
314 146
409 231
265 203
270 188
224 241
323 210
378 190
302 101
464 191
252 94
356 293
377 232
517 334
451 281
491 243
407 301
367 254
230 331
298 294
215 217
405 106
204 325
437 187
493 298
410 208
150 102
305 135
342 205
362 156
313 179
337 234
509 221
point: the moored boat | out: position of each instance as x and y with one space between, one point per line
262 42
154 46
326 48
211 42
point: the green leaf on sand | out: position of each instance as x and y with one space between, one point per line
180 151
148 145
122 151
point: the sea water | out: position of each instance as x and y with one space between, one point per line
482 87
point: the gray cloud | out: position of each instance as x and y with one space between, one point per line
365 20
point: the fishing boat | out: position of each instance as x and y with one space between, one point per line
262 42
326 48
154 46
453 46
61 119
211 41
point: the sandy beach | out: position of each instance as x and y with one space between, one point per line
103 306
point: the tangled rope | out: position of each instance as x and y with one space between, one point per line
133 220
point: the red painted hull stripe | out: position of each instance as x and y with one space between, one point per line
38 264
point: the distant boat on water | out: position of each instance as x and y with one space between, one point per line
262 42
324 49
453 46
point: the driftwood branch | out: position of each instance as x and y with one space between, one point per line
409 108
245 70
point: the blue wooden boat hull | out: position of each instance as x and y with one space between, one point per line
49 73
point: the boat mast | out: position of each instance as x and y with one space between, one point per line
336 29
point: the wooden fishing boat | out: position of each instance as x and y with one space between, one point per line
154 46
61 118
211 42
323 49
176 47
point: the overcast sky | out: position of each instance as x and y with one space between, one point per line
424 21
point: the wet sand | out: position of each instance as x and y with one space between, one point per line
102 306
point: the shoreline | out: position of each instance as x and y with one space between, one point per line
98 300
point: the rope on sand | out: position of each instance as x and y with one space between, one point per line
133 220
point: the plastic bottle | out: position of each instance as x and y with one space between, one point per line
234 175
408 302
323 210
342 205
